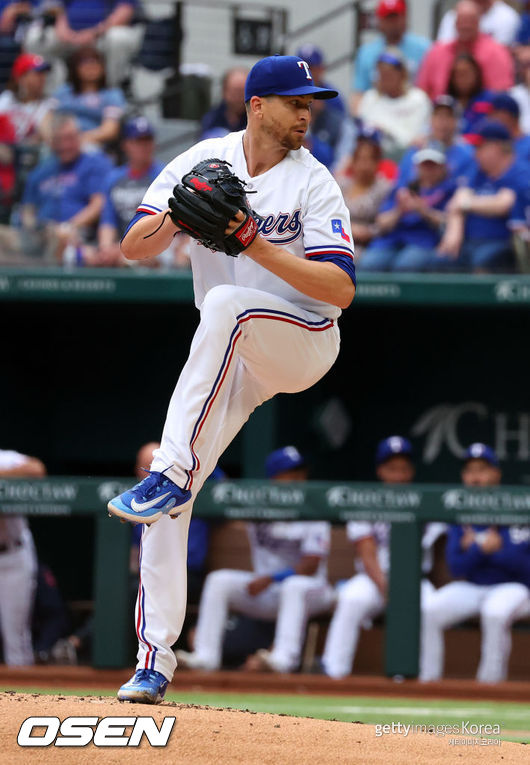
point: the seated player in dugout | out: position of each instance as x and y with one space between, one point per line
288 584
363 597
268 318
492 567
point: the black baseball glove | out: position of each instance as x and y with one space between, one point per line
209 196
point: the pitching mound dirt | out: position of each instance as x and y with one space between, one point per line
206 736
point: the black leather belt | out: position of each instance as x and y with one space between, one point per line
12 546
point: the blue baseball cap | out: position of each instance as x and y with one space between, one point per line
286 458
504 102
367 133
479 451
394 57
138 127
283 76
311 54
392 446
491 130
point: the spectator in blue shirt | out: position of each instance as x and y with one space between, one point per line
523 35
107 24
64 193
98 109
483 215
507 110
459 155
492 566
124 190
230 114
392 22
411 218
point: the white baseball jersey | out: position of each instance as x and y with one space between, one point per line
356 530
13 528
279 545
18 568
257 337
302 209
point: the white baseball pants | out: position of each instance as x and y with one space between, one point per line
248 346
291 602
18 577
358 602
498 606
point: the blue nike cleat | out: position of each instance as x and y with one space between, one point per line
146 686
146 502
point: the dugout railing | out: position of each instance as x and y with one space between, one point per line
407 508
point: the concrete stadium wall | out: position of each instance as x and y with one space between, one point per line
208 31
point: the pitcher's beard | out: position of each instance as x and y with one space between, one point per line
289 141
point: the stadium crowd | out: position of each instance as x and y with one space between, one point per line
431 149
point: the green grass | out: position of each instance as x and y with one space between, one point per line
372 710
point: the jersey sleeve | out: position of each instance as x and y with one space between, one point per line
114 104
517 215
10 459
327 229
96 179
316 540
356 530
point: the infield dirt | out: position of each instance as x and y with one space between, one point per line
206 736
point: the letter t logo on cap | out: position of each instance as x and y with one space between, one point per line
303 65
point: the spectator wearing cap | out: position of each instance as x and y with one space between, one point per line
494 59
314 57
497 19
97 108
63 197
399 111
288 583
492 565
411 218
472 100
507 111
124 190
25 101
331 132
363 597
364 188
108 25
459 155
230 114
14 16
392 24
521 91
483 215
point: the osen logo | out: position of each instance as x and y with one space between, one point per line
107 731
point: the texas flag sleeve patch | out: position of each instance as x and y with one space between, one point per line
336 227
